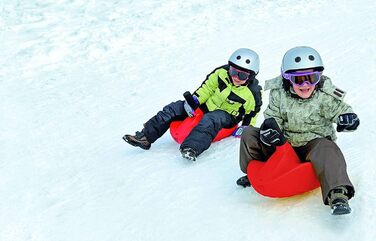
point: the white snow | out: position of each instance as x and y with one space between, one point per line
76 75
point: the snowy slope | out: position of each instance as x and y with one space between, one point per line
76 75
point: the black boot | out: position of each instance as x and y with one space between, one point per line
188 153
338 201
139 139
243 181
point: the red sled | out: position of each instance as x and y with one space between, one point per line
283 175
179 130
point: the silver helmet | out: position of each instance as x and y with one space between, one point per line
246 59
301 57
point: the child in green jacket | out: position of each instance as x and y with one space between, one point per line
229 94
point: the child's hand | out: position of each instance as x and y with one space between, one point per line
190 104
347 122
190 111
238 132
271 134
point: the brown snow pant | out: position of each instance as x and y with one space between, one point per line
326 157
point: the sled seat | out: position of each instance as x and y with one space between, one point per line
179 130
283 175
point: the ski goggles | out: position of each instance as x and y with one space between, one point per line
300 78
240 74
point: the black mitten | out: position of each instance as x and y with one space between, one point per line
347 122
271 134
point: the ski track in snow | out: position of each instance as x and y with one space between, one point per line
76 75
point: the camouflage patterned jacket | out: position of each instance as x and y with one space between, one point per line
302 120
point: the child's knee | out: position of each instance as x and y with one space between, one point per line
250 133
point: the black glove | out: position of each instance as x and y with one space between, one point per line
347 122
191 100
271 134
191 103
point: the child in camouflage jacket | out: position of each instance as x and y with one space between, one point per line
303 105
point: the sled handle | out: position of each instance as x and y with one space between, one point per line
189 98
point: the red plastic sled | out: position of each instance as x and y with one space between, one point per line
179 130
283 175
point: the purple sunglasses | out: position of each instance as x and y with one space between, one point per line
300 78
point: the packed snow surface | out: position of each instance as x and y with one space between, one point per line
76 75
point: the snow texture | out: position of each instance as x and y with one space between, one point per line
76 75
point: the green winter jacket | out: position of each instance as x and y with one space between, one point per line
303 120
218 93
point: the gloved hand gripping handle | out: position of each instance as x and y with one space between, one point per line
190 100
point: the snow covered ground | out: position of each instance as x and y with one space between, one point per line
75 75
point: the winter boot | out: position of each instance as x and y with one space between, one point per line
243 181
188 153
139 139
338 201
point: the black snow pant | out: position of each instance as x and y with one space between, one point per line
200 137
326 157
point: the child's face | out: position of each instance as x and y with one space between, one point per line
238 77
237 81
304 91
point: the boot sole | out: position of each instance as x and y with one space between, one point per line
341 210
135 143
188 157
243 184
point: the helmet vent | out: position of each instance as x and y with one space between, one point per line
245 59
299 58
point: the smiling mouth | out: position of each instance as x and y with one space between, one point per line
238 80
305 90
